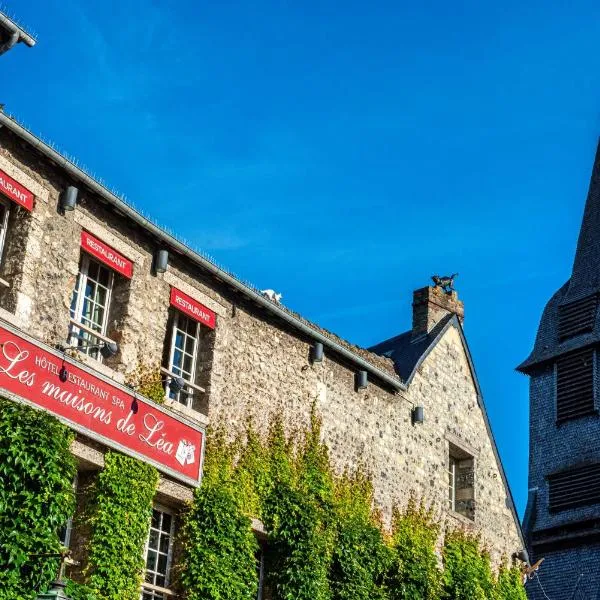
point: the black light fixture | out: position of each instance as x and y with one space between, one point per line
68 199
176 384
316 352
161 261
362 380
418 415
109 349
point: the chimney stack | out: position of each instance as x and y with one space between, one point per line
431 305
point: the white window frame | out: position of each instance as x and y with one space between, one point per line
4 225
159 592
191 378
452 469
76 334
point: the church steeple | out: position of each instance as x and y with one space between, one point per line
585 278
570 320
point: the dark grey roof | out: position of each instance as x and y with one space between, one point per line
584 281
408 352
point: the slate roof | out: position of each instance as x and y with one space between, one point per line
584 281
408 352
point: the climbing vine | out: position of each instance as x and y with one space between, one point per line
36 497
219 545
119 517
467 571
414 572
324 540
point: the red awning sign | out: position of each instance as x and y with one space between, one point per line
15 191
104 253
193 308
98 409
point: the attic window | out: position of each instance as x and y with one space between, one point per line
575 385
577 317
576 487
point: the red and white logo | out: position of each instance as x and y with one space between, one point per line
15 191
104 253
193 308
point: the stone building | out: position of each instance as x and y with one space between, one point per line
80 268
563 511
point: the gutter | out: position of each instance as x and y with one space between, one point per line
17 34
122 207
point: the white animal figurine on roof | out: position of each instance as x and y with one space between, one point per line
272 296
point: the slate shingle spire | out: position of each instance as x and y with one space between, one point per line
584 283
585 278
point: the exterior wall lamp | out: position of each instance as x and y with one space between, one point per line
68 199
161 261
361 380
316 352
418 415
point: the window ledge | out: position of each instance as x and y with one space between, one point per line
460 518
160 590
189 412
100 367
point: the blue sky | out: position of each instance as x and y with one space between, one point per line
342 154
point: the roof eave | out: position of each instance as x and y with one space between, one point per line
13 27
387 378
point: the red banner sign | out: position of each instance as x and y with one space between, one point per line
193 308
15 191
98 409
106 254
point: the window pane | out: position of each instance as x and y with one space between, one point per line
190 345
153 541
151 561
166 523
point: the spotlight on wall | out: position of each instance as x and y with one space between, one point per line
316 352
418 415
362 380
109 349
176 384
63 374
161 261
68 199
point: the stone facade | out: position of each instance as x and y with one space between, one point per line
255 364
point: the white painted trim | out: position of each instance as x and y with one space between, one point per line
175 281
100 231
39 191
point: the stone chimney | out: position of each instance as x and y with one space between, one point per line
431 305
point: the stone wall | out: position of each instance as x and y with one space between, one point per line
253 366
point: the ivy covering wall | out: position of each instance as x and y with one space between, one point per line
36 497
325 541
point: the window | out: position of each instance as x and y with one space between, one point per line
183 354
575 385
4 212
158 555
575 487
461 482
90 305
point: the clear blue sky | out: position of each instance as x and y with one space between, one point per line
342 153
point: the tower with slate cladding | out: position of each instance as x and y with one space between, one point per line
562 520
